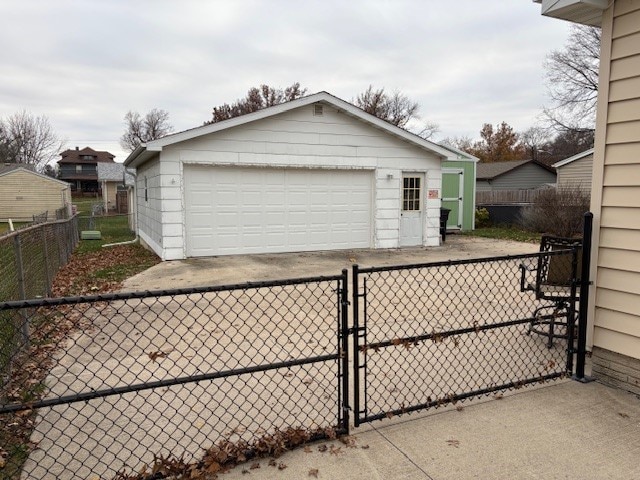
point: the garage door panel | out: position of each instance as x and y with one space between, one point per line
244 210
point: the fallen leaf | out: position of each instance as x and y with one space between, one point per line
498 396
365 447
254 465
272 462
313 472
281 466
459 408
322 448
307 449
623 415
453 443
155 355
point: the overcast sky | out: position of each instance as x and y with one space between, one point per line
85 63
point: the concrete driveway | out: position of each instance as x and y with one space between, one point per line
243 268
137 341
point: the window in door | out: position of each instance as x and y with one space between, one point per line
411 194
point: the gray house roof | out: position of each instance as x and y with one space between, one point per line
489 171
7 167
110 172
115 172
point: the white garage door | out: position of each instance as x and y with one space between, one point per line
253 210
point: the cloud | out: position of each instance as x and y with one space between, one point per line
85 64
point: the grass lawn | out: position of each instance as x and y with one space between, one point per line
4 226
506 233
84 204
113 229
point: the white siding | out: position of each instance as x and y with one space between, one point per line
149 205
299 139
616 311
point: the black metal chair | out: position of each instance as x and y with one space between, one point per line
554 278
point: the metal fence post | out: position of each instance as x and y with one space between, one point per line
24 326
584 298
45 249
356 354
344 347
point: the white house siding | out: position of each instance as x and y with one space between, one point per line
300 139
149 212
616 200
577 173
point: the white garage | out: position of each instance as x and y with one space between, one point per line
313 174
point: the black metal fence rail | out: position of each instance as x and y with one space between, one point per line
436 333
127 377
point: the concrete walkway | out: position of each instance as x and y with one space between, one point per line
566 430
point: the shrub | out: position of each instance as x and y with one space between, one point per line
557 211
482 218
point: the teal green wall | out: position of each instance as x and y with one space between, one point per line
468 195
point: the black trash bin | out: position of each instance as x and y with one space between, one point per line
444 217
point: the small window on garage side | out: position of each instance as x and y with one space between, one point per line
146 190
411 194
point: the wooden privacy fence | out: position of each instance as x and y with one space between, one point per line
508 196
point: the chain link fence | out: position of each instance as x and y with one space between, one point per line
433 334
119 380
191 381
30 258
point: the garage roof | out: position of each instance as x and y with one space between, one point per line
147 151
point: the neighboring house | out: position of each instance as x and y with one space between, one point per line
459 189
25 193
316 173
79 168
113 181
576 171
614 303
515 175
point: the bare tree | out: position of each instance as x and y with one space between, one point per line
256 99
27 139
427 130
155 124
397 108
464 143
572 80
535 140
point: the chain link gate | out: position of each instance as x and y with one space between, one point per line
436 333
111 383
